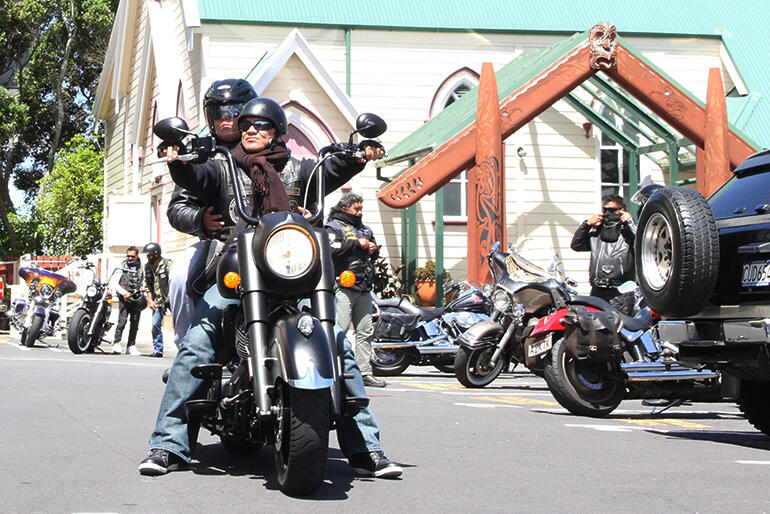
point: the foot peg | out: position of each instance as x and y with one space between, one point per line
348 376
353 404
207 371
200 409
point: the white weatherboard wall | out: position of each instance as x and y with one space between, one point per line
394 74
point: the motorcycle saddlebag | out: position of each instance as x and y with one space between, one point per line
592 335
393 326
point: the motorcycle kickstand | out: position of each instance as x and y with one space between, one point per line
670 404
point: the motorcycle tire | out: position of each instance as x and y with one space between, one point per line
472 367
389 363
677 252
34 331
77 332
753 404
585 388
445 368
301 439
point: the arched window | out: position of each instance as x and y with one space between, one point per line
307 131
450 90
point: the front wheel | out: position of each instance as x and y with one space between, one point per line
389 363
34 331
77 333
301 439
753 404
585 388
473 367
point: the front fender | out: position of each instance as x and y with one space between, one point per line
481 334
302 361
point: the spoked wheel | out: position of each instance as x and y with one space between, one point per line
77 333
389 363
34 331
301 439
585 388
473 367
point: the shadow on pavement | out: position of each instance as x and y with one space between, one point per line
755 440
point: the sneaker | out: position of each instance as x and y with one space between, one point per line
155 354
375 464
165 374
160 462
117 348
131 350
371 381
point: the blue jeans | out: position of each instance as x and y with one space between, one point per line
198 346
157 329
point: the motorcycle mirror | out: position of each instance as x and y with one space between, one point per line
84 257
172 130
369 125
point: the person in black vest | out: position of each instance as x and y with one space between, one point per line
156 273
354 249
127 286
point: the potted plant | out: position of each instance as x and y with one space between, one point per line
425 284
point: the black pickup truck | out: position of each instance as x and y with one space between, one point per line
704 267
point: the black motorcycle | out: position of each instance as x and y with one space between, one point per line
405 334
91 319
280 379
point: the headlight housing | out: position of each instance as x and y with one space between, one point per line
501 300
46 290
91 291
290 251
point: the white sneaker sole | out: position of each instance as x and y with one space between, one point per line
394 471
152 469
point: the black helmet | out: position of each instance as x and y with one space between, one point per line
235 92
151 249
265 108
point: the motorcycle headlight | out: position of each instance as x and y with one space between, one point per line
487 290
46 290
501 300
91 291
290 251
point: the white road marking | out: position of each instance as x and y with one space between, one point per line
488 405
494 393
604 428
159 365
758 462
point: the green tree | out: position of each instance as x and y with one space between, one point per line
69 208
50 61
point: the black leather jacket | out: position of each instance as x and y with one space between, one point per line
611 263
347 253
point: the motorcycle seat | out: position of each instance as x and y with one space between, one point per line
641 321
404 305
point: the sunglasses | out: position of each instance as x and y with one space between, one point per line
130 256
227 112
244 125
611 209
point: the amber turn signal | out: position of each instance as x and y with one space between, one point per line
231 280
347 278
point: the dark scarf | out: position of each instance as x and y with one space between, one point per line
269 191
346 217
610 230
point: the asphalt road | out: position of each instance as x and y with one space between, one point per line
74 427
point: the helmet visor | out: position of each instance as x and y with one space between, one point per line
224 112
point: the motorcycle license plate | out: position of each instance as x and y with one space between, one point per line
541 346
756 274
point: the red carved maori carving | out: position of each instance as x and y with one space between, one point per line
517 109
716 169
603 40
667 101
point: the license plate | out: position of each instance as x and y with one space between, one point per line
541 346
756 274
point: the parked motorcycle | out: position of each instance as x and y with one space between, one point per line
595 356
38 316
91 319
522 293
405 334
279 380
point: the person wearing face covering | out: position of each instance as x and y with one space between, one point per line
609 236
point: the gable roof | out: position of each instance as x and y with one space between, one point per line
741 25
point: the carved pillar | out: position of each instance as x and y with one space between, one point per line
486 181
716 169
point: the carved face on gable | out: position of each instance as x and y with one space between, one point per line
602 39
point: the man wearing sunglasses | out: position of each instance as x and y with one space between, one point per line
276 182
609 236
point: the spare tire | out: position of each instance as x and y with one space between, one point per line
677 252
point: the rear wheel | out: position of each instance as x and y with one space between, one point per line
77 333
389 363
753 402
302 439
473 367
585 388
34 331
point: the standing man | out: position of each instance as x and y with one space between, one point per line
609 236
156 273
128 288
354 249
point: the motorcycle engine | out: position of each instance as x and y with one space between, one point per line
241 336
